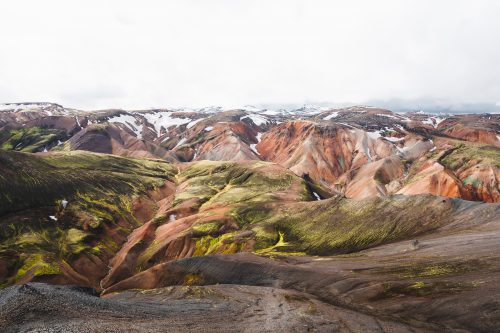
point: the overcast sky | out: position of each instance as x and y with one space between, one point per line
138 54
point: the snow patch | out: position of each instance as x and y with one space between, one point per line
311 109
433 121
52 217
253 146
270 112
389 116
165 120
257 120
316 196
194 122
374 135
246 108
181 142
21 106
332 115
209 128
130 122
348 125
393 139
439 120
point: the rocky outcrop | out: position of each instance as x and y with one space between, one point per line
372 178
324 153
481 128
117 140
435 179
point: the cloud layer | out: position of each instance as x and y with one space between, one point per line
130 54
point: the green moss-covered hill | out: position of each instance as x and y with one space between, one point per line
64 216
96 219
39 236
31 139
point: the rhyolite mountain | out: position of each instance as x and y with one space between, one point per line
353 219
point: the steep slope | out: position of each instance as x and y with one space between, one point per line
62 216
215 141
327 153
31 139
114 139
215 209
476 128
458 169
374 179
65 215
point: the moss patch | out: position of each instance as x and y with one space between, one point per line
464 154
98 216
37 265
32 139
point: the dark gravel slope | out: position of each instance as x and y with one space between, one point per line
40 308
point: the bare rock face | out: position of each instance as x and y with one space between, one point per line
325 153
227 143
481 182
433 178
476 128
372 178
114 139
95 139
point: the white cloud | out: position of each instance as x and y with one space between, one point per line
120 53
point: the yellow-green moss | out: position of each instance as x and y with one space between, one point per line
206 228
38 266
465 153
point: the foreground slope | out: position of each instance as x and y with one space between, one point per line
217 308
